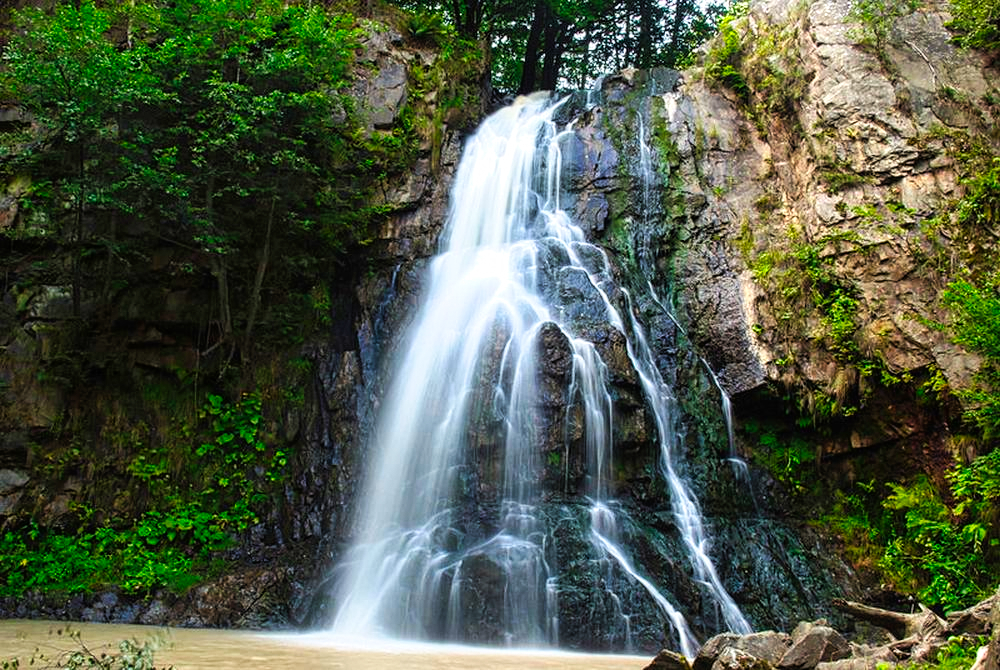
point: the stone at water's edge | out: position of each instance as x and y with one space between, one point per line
732 658
712 648
669 660
816 646
811 645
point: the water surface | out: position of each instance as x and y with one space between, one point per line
196 649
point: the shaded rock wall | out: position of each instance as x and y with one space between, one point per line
80 397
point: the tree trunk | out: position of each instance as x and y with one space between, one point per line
109 261
78 233
529 72
681 10
552 53
220 271
900 624
645 46
265 255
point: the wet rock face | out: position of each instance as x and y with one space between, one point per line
672 235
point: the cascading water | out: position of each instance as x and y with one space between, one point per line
508 308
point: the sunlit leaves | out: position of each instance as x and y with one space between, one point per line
977 23
975 312
68 74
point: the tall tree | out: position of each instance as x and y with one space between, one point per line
75 83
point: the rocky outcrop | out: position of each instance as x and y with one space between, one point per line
838 182
722 218
815 645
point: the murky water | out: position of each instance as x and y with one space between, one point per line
194 649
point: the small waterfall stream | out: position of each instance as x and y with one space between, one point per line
502 342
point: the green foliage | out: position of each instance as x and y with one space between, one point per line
129 655
426 26
934 553
807 293
839 308
981 205
977 485
975 322
875 19
222 124
722 62
977 23
784 453
68 74
804 271
958 654
945 553
765 72
173 544
858 517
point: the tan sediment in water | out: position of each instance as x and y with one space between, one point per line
196 649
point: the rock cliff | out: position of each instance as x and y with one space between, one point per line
779 233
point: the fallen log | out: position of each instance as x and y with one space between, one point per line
901 625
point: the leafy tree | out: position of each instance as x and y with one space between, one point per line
252 90
76 84
222 124
548 44
875 18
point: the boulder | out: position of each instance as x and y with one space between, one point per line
12 480
669 660
767 647
387 94
813 643
732 658
710 651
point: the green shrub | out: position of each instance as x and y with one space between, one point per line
977 23
722 63
932 554
981 205
946 554
172 545
784 453
975 322
129 655
875 18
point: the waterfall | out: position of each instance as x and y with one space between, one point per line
513 307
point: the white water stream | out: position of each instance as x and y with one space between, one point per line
473 351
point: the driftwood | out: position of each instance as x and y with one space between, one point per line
917 637
989 655
900 625
920 634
